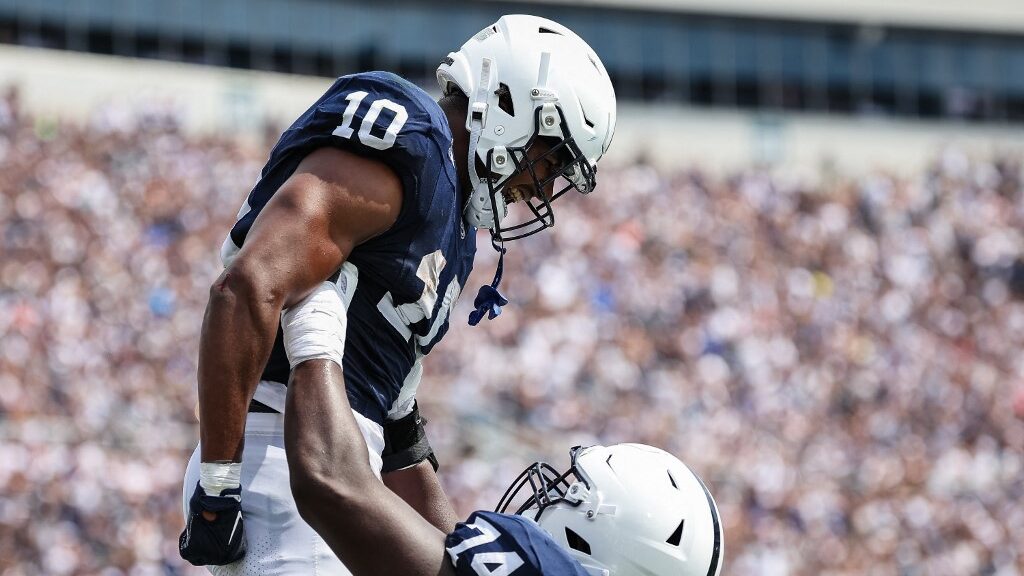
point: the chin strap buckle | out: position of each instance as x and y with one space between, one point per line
478 113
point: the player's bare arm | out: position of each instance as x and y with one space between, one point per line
334 201
420 487
301 237
367 525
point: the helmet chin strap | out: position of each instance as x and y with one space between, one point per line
476 126
476 120
488 300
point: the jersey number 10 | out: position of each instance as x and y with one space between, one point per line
346 130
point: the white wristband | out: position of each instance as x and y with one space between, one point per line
215 477
315 327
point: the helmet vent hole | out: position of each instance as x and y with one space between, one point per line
589 122
505 99
677 536
576 542
608 461
672 480
543 30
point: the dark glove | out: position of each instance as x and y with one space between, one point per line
213 542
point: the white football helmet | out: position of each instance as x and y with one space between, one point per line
529 77
627 509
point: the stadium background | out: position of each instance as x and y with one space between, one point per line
803 272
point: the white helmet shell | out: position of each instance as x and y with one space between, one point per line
556 84
637 510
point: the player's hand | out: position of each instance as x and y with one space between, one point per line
214 534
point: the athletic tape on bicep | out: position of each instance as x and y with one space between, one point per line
315 327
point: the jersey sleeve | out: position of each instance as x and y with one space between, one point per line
393 308
374 114
380 116
491 544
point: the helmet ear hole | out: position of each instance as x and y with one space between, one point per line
576 542
505 99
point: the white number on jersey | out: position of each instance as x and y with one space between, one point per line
345 129
404 315
496 563
486 563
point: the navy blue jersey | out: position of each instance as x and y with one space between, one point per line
499 544
400 285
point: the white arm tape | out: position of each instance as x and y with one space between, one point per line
215 477
315 327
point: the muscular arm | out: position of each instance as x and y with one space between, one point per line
371 529
419 486
334 201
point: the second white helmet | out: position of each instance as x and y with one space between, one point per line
627 509
529 77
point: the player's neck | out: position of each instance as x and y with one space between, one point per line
455 108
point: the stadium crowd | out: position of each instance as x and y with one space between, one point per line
836 356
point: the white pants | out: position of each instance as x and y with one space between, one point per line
279 542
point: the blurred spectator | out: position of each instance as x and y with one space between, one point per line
840 360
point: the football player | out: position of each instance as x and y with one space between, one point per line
627 509
378 190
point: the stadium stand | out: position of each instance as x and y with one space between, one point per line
808 283
837 356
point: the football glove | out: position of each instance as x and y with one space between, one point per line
213 542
